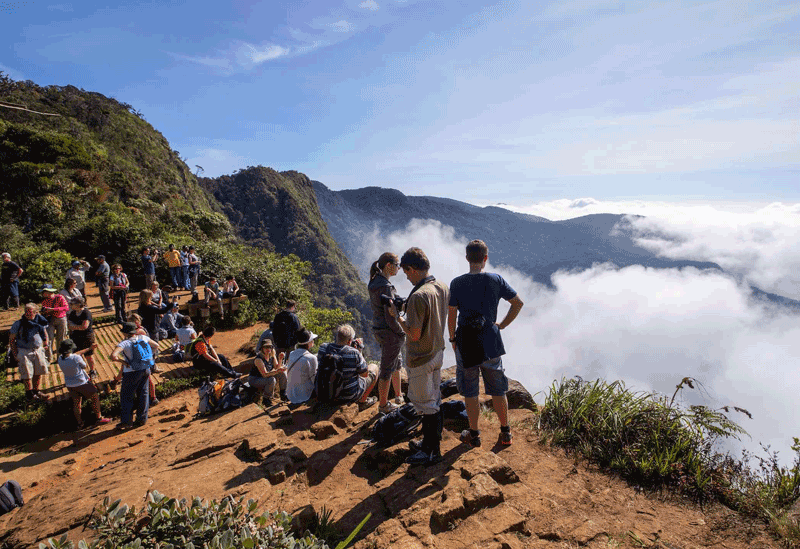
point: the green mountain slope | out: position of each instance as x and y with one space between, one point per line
279 211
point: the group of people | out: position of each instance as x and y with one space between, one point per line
466 310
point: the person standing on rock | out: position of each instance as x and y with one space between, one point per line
475 336
426 316
285 326
102 276
27 339
9 282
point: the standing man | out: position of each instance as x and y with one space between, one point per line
185 268
102 275
27 339
9 282
149 266
55 309
194 268
426 316
285 327
475 336
173 258
136 355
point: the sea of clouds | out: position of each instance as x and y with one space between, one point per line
652 327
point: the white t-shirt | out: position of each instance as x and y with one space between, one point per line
72 365
186 335
300 377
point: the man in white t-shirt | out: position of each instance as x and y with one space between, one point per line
301 368
136 362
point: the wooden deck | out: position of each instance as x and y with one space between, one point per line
107 335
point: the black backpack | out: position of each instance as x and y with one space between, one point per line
284 333
395 426
328 381
223 395
10 496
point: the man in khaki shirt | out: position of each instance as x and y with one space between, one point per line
426 317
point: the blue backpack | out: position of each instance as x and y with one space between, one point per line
142 355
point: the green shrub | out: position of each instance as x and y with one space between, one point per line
167 523
12 395
642 436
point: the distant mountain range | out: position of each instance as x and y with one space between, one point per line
534 245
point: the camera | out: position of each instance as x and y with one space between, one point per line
398 301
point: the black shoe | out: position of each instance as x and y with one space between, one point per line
424 458
468 438
284 396
415 446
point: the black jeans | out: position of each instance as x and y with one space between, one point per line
224 369
120 300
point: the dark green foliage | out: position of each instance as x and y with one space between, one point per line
12 395
279 211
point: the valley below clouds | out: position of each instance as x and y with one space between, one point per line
650 327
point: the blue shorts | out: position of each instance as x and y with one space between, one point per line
495 382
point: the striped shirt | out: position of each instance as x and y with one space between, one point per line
353 365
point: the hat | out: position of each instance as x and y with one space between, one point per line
128 328
311 337
100 257
67 346
6 254
266 341
76 263
47 288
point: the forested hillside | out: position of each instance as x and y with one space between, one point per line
83 174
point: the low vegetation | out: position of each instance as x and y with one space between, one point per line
654 443
167 523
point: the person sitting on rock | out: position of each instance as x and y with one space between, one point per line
171 320
358 378
205 358
230 288
213 291
302 368
267 367
77 382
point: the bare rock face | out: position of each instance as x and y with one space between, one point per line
324 430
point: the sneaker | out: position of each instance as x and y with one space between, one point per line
155 370
153 401
399 400
505 438
266 402
40 396
367 403
467 438
390 407
93 374
424 458
123 426
102 421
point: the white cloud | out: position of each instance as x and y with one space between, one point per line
369 4
250 54
342 26
647 327
12 73
758 242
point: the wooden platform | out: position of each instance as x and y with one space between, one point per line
107 335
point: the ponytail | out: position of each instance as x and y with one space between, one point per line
373 270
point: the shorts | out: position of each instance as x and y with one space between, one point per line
391 345
365 383
84 339
82 391
495 382
31 362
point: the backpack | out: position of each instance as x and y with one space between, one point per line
328 381
222 395
283 330
10 496
395 426
469 338
142 355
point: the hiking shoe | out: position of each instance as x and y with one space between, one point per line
93 374
266 401
40 396
505 438
467 438
399 400
390 407
415 446
367 403
153 401
155 370
424 458
102 421
284 396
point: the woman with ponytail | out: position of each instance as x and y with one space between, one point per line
386 328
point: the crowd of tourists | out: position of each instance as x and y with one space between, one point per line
284 367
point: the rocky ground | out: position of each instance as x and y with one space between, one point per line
525 495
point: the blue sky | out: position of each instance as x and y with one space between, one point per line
479 101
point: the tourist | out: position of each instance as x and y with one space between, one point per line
27 339
77 383
81 331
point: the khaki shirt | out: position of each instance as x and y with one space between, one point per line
427 308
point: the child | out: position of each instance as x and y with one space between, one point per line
76 380
183 337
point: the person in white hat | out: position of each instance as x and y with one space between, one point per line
301 368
